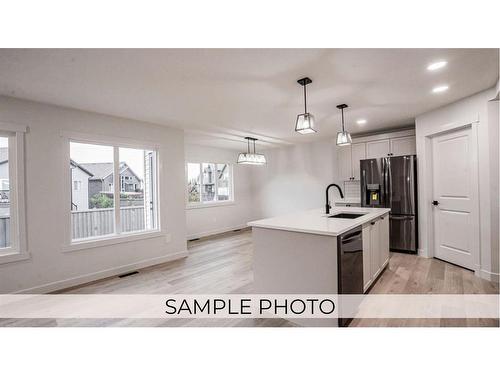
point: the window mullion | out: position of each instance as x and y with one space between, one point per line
116 188
201 182
216 185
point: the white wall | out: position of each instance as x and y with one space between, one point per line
50 268
464 112
295 178
211 220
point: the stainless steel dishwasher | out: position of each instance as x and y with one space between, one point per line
350 264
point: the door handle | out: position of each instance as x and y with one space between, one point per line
435 203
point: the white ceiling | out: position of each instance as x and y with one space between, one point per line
221 95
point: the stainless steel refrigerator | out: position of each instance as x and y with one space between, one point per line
392 182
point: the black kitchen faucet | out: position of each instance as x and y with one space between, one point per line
327 206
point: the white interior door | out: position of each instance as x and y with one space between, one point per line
455 198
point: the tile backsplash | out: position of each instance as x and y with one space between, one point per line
352 189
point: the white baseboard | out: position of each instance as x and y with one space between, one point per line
215 231
490 276
423 253
74 281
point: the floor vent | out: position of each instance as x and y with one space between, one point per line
236 230
193 239
128 274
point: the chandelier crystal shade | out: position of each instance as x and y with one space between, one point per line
251 157
305 121
343 137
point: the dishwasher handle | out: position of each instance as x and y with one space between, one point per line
350 239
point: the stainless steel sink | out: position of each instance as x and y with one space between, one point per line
346 215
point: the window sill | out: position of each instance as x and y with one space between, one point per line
114 239
208 205
11 255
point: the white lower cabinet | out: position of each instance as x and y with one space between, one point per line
367 257
375 249
384 240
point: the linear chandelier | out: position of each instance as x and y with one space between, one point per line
251 157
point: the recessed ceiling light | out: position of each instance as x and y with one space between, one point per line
361 121
437 65
439 89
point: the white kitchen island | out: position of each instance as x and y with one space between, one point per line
297 253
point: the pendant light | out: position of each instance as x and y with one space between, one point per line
305 121
251 157
343 137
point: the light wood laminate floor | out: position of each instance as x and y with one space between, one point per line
223 264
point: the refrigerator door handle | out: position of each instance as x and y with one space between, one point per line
409 217
385 178
389 182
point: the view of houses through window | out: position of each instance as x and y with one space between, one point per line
4 193
93 194
209 182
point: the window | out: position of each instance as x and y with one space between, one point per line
208 183
5 232
97 208
12 214
137 201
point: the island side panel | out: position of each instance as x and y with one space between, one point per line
292 262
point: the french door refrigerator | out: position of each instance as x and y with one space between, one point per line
391 182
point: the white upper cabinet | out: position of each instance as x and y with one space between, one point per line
403 146
344 162
358 152
373 147
378 149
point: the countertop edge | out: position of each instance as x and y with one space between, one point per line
318 232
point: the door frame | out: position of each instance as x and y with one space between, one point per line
429 186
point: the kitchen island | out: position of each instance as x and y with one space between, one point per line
299 253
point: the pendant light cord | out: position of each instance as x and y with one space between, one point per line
305 99
343 130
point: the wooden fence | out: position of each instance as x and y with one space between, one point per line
100 222
90 223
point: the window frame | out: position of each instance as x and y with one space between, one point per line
215 203
117 236
18 243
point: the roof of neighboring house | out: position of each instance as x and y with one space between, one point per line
75 164
4 155
102 170
99 170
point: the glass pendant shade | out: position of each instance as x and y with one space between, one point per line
253 159
343 138
305 124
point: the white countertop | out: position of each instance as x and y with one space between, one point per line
317 222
